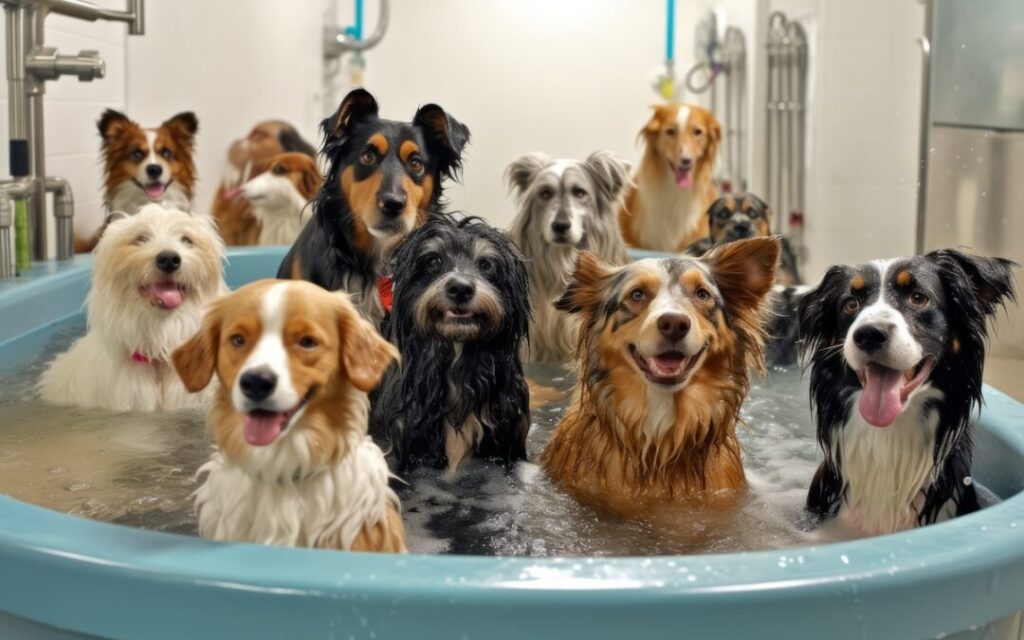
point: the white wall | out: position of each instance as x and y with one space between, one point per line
72 108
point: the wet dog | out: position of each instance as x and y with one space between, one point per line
145 166
153 275
897 351
293 465
384 179
279 194
564 206
665 352
461 312
666 209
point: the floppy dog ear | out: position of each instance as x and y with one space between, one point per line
445 136
183 126
291 141
744 271
311 181
196 360
990 279
714 138
609 174
111 123
654 124
365 355
586 287
520 172
356 106
817 307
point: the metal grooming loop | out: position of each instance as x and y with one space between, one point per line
786 125
732 79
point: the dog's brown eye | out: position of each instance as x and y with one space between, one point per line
432 263
141 239
278 170
367 158
308 342
851 306
237 340
416 166
484 264
578 193
671 131
636 295
137 155
186 240
166 154
703 294
546 194
697 131
919 300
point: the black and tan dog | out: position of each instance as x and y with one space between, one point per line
741 216
384 179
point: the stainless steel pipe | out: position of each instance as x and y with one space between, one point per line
63 213
9 191
338 42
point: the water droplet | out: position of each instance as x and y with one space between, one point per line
968 481
845 559
79 486
691 578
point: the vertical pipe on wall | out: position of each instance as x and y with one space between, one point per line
37 206
924 135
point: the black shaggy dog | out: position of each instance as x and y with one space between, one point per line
383 180
897 351
460 315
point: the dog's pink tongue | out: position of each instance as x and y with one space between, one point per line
261 427
667 365
880 400
684 177
167 294
155 191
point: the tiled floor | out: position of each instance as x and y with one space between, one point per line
1007 375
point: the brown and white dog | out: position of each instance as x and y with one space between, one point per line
294 464
665 210
145 166
234 215
279 193
664 355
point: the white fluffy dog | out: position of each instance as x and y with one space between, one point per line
153 275
564 206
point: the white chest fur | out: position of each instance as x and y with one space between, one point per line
279 499
670 213
886 470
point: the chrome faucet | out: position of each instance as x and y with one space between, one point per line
29 65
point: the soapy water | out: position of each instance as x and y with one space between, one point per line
138 469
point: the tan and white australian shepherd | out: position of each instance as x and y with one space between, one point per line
664 354
665 210
153 275
294 464
145 166
279 193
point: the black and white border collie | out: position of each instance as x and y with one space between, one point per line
896 350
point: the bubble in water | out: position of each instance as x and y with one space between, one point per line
844 559
79 486
968 481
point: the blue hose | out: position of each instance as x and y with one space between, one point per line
356 30
670 31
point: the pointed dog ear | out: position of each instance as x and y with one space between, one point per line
196 360
521 172
365 355
183 126
111 123
445 136
609 174
587 285
744 271
990 279
354 108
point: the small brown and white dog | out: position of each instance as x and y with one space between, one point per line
279 193
294 464
665 211
153 275
145 166
664 355
234 215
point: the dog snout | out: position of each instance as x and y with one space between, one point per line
674 326
154 171
560 227
741 228
257 384
685 162
168 261
459 291
392 204
870 338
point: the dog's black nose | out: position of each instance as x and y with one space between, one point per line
686 163
459 291
392 204
741 229
561 227
869 339
674 326
168 261
258 383
154 171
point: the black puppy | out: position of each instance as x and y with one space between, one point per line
461 311
897 350
384 179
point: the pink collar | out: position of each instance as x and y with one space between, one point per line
138 356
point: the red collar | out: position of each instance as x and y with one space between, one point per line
385 293
141 358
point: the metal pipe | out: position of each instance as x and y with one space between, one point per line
338 42
924 135
64 212
83 10
46 64
35 89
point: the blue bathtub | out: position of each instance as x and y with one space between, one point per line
65 577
